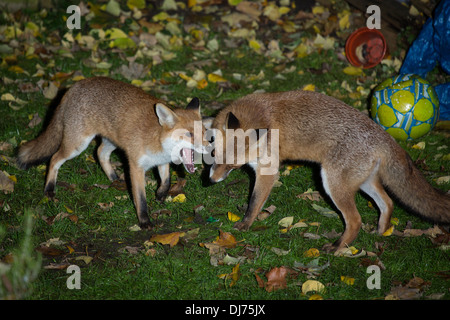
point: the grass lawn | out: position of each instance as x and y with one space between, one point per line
176 55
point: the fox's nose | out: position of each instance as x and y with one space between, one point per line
215 176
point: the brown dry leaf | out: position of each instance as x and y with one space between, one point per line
6 183
168 238
310 195
276 279
178 187
225 240
234 275
50 251
35 120
105 206
412 290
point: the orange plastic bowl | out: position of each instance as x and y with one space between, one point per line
365 48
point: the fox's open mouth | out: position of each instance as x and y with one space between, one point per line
187 155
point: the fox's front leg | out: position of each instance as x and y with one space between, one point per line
261 191
137 177
164 175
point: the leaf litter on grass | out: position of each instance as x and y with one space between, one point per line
144 39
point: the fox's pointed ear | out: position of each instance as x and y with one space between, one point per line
260 133
166 116
193 104
232 122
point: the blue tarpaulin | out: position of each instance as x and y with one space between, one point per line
432 46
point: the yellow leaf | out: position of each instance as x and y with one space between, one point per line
311 253
212 77
191 3
68 209
348 280
302 50
394 221
389 231
309 87
169 238
202 84
344 22
179 198
312 285
16 69
86 259
225 240
318 10
13 178
232 217
160 16
353 71
234 2
71 250
234 275
255 45
419 146
316 297
184 76
7 97
283 10
115 33
286 222
138 4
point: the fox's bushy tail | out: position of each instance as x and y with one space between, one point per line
410 186
44 146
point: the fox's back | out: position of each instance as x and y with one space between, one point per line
310 124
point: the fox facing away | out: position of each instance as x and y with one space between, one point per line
353 151
125 117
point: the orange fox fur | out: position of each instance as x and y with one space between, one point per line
353 151
125 117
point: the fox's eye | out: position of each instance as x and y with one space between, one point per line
211 139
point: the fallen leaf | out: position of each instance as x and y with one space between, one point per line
353 71
312 285
325 211
169 238
309 87
310 195
286 222
419 146
389 231
225 240
50 91
348 280
276 279
6 184
179 198
311 253
86 259
279 252
232 217
234 275
350 252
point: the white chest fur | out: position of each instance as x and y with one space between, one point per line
151 159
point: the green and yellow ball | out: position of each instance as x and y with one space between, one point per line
406 106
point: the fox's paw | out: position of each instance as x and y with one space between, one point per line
161 197
146 225
329 248
241 226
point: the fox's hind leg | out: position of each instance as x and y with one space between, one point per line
374 189
164 175
69 149
104 152
342 193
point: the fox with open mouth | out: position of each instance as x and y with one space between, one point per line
124 116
